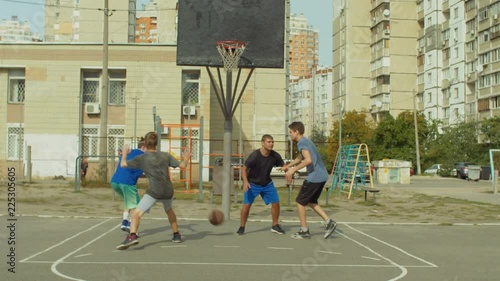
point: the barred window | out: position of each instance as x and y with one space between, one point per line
115 140
16 86
90 86
190 87
90 142
117 83
15 143
195 142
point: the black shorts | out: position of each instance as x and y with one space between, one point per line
309 193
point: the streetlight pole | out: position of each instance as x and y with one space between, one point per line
135 121
416 132
103 124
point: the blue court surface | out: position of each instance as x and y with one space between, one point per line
63 248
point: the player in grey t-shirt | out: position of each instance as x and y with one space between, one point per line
313 185
155 165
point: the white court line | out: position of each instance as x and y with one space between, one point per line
222 246
331 253
53 268
84 255
404 271
178 246
370 258
218 263
392 246
278 248
62 242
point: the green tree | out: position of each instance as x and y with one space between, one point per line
357 127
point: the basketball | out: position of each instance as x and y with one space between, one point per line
216 217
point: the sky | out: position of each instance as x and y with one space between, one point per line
319 14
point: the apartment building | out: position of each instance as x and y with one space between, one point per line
14 30
54 101
146 29
304 47
311 100
82 21
374 56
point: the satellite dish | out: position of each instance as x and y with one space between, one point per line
387 12
378 104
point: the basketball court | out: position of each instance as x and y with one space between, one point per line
63 248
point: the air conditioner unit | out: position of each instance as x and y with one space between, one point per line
495 16
443 43
387 31
92 108
420 50
164 131
456 39
189 110
472 32
480 68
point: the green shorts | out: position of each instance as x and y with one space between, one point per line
128 193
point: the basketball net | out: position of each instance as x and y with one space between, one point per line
230 51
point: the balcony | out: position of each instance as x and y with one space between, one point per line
446 5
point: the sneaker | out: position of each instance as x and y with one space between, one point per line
240 231
177 238
330 227
125 226
277 229
129 241
302 235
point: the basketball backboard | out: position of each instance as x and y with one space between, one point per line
260 24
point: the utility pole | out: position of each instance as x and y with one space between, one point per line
416 131
340 123
103 124
135 122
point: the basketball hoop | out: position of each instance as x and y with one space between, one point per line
230 51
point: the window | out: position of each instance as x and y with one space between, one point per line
455 13
456 93
90 86
195 142
455 112
117 83
90 142
446 112
190 87
16 86
495 102
15 142
429 59
429 97
115 140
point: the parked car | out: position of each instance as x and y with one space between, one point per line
462 170
434 169
276 172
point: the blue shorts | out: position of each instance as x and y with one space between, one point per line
268 194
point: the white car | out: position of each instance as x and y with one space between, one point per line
434 169
276 172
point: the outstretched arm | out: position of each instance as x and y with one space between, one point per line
186 155
125 152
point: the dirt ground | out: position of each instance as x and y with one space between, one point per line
58 198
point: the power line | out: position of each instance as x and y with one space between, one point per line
77 7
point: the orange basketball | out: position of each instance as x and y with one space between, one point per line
216 217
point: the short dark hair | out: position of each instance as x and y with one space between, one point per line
297 126
266 136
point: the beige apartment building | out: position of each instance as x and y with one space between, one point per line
374 56
304 47
53 103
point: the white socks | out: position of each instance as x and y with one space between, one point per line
125 215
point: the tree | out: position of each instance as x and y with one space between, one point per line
357 127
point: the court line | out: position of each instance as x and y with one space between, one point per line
228 263
269 220
279 248
62 242
392 246
403 269
53 268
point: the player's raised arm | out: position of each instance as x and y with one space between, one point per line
186 155
125 152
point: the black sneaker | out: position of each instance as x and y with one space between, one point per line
330 227
277 229
177 238
301 234
240 231
129 241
